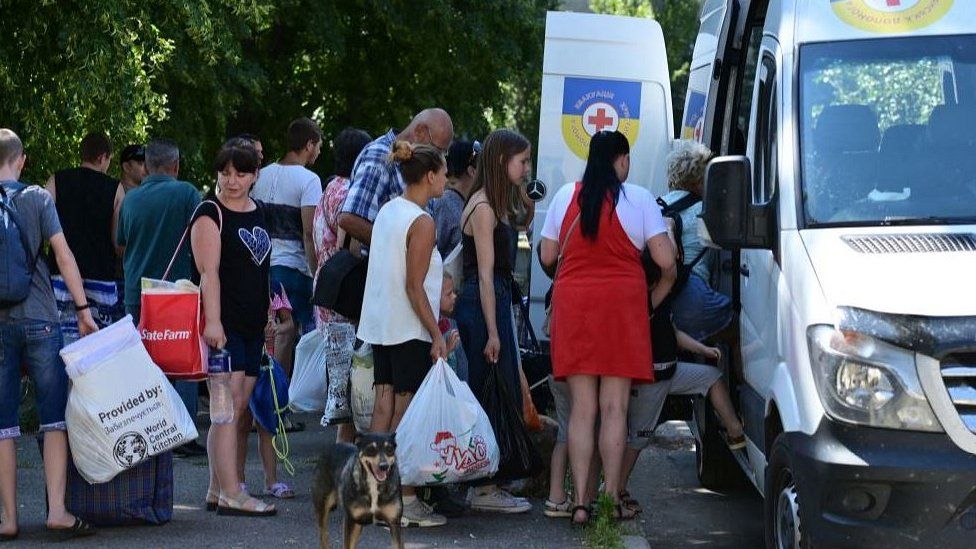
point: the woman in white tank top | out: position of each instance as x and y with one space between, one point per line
402 299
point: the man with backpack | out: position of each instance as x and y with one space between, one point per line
30 335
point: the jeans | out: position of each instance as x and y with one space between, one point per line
188 390
35 344
474 336
701 311
298 286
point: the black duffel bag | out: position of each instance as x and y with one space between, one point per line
341 283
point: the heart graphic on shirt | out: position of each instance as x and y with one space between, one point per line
257 241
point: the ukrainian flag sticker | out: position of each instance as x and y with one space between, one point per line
590 106
890 16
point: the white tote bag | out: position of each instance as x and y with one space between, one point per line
121 408
445 436
361 387
307 390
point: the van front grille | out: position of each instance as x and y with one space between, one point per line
959 375
911 243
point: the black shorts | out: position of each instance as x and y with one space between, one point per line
245 353
404 366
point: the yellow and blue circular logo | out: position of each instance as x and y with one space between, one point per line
591 106
890 16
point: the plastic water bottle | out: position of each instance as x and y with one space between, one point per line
221 399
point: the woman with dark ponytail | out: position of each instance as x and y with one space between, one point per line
593 236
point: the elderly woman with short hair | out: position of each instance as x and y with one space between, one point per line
699 310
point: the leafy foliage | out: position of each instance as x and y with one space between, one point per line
200 70
679 21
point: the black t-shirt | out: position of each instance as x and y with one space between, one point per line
85 204
245 268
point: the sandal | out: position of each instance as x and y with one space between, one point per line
630 502
80 529
235 507
279 490
585 522
558 510
734 443
210 502
622 512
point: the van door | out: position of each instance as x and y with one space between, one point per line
600 72
713 33
760 269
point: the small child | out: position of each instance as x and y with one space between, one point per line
456 358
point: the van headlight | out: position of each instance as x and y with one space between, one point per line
866 381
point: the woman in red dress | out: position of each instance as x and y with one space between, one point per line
594 233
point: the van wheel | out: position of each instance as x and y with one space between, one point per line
783 524
717 469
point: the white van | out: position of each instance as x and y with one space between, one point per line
846 196
845 200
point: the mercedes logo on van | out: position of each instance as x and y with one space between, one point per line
890 16
536 190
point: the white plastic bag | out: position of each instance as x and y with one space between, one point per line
121 408
361 387
307 390
341 337
445 436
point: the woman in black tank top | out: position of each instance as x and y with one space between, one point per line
484 306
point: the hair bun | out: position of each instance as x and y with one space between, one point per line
402 151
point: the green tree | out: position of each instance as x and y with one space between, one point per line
679 21
200 70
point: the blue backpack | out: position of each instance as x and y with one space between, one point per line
16 261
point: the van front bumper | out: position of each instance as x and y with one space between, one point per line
868 487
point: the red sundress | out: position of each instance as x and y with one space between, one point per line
600 320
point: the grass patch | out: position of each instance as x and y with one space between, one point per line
603 531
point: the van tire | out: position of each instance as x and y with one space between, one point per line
716 467
782 510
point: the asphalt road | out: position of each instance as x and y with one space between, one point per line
678 513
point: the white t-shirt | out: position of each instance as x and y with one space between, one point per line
637 209
284 190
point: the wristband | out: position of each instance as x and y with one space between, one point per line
82 307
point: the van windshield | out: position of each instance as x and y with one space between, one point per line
888 131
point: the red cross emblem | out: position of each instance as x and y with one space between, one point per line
894 3
600 120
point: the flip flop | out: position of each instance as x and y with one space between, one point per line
234 507
80 529
210 504
279 490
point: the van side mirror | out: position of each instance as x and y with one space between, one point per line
733 222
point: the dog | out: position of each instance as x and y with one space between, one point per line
365 478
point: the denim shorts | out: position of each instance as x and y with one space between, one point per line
298 286
245 353
701 311
34 344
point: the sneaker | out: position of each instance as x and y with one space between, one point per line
559 510
419 514
498 501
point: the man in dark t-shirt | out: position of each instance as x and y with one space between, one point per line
87 201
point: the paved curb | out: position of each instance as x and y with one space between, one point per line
636 542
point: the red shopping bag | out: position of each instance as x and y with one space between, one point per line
172 330
171 323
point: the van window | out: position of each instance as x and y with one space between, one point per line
764 165
737 142
881 140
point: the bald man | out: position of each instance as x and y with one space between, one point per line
375 180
